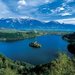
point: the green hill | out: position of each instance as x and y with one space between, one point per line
63 65
13 35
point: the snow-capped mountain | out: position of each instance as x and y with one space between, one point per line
23 24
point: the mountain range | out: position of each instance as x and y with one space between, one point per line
28 24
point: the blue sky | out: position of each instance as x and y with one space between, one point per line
45 10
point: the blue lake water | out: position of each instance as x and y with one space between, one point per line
20 50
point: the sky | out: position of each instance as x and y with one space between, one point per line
45 10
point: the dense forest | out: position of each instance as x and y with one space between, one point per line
14 35
62 65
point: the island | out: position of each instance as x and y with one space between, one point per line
35 44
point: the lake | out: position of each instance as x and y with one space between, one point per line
20 50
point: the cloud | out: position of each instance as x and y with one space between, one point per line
33 3
64 9
61 8
4 11
58 10
21 3
30 6
49 1
38 9
69 1
67 21
65 14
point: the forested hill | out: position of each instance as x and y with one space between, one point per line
62 65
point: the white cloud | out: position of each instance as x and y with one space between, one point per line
67 21
30 8
64 10
5 11
68 1
33 3
61 8
57 10
48 1
65 14
21 3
